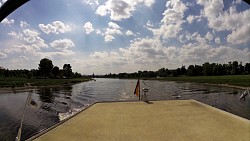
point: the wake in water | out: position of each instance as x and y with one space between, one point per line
70 113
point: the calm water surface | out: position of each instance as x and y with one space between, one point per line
58 103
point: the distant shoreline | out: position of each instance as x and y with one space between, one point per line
8 84
234 81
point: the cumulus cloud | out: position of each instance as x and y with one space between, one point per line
113 25
112 30
102 10
88 27
171 23
129 33
156 55
121 9
195 37
24 24
62 44
209 36
227 20
29 37
217 40
55 28
191 18
8 22
240 36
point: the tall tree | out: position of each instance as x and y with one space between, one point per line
207 69
67 70
247 68
235 68
55 71
45 67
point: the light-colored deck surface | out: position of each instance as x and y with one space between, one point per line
162 120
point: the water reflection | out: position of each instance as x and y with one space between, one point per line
46 95
57 103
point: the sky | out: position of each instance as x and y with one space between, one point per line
113 36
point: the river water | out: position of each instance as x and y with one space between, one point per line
58 103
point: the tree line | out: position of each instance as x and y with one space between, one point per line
206 69
46 69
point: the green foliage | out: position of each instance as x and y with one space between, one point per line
67 70
20 82
236 80
45 70
45 67
55 71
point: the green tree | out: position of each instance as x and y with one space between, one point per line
161 72
190 70
247 68
45 67
207 69
67 70
235 68
55 71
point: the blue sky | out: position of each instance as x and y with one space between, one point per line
99 36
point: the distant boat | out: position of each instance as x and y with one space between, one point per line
243 95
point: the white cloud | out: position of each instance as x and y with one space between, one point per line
209 36
30 38
56 27
191 18
8 22
217 40
88 27
240 36
62 44
223 20
3 55
121 9
98 31
149 24
112 30
194 37
153 53
102 10
172 20
24 24
129 33
113 25
27 41
227 20
108 38
92 3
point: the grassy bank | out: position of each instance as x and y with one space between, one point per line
20 82
235 80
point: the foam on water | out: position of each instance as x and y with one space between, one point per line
70 113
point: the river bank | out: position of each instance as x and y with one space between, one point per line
234 81
24 84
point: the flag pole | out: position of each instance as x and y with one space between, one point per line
139 89
18 137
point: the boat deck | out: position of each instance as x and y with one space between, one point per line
173 120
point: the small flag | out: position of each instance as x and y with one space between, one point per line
137 88
31 102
